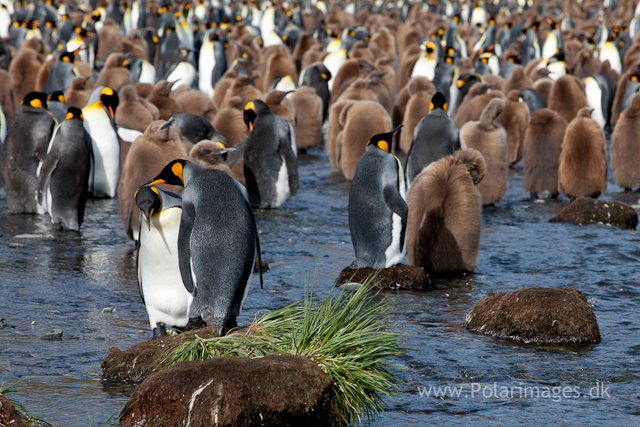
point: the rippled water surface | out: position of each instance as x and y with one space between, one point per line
63 280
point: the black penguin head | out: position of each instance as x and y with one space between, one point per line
35 99
74 113
56 96
252 110
110 99
149 200
383 140
438 101
172 174
68 57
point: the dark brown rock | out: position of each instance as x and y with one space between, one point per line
395 277
540 315
586 210
135 364
9 415
275 390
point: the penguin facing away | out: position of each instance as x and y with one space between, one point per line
159 281
270 163
435 136
625 147
377 207
24 147
216 258
64 176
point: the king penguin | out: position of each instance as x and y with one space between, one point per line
435 136
270 163
212 63
159 281
64 176
24 148
377 206
99 122
217 240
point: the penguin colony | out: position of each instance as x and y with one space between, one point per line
188 112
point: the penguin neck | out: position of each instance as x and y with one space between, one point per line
438 112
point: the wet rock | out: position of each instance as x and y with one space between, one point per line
33 236
540 315
396 277
135 364
54 335
108 310
586 210
9 415
16 245
275 390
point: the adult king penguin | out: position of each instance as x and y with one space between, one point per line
165 297
377 206
217 241
24 147
64 176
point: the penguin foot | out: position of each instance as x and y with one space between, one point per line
58 226
356 264
159 331
231 323
194 323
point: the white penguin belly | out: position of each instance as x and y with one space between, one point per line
183 74
206 64
394 252
129 135
106 151
425 68
148 73
594 101
165 296
333 62
282 184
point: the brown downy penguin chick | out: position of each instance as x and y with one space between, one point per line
543 86
279 63
230 122
7 97
400 105
360 121
351 70
115 73
417 107
490 138
242 88
360 90
160 97
211 155
514 119
108 38
143 89
152 151
567 97
312 55
281 105
630 76
196 102
134 45
474 103
24 71
305 42
360 51
382 44
625 147
403 75
131 112
334 128
497 81
221 88
78 93
445 214
542 147
308 127
518 80
583 160
155 112
376 84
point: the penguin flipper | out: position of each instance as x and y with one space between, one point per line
184 246
48 166
395 202
139 275
291 161
253 219
87 139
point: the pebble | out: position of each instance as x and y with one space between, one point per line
56 334
108 309
33 236
16 245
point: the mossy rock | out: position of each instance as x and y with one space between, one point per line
397 277
586 210
538 315
9 415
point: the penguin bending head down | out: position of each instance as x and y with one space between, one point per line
217 241
159 281
377 207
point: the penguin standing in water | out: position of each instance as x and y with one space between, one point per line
217 241
270 163
435 136
64 175
377 206
24 147
159 281
99 123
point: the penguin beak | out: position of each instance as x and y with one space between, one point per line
166 125
396 130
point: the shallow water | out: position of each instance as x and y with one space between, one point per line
64 280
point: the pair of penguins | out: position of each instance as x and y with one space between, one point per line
378 210
188 260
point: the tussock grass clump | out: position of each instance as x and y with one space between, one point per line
348 335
